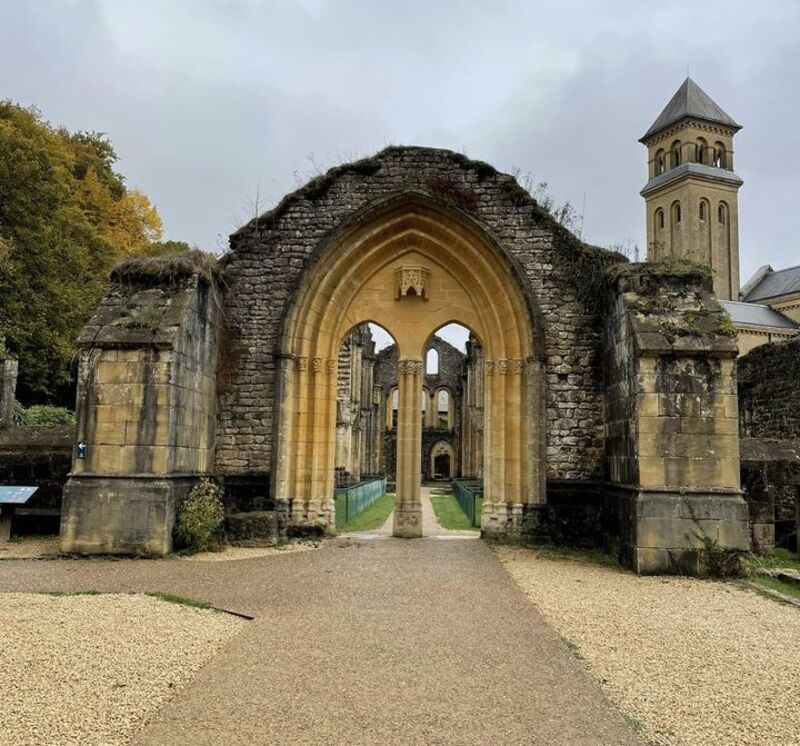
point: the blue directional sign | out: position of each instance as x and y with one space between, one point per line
15 495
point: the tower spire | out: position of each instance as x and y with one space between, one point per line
692 193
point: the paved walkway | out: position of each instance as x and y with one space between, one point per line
363 641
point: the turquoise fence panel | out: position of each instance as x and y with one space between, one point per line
352 500
469 495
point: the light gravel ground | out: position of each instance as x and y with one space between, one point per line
694 662
241 553
29 547
92 669
47 546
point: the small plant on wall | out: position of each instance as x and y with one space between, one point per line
199 525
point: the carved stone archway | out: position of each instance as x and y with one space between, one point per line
411 267
443 449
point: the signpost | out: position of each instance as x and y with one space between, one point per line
10 497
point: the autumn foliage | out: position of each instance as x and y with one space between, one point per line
66 217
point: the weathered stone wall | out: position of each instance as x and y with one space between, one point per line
769 391
146 409
771 483
36 457
769 411
672 442
268 256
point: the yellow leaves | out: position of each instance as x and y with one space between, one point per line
130 224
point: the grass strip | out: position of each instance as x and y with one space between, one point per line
171 598
372 518
775 584
449 514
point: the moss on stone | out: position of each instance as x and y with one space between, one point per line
725 325
167 268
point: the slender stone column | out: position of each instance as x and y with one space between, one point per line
286 394
408 507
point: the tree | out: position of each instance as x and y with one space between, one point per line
66 218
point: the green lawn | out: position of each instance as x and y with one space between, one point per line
371 518
779 558
775 584
449 513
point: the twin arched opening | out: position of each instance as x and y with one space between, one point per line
411 265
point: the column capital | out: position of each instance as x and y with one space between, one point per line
409 366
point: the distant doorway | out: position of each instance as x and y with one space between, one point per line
442 462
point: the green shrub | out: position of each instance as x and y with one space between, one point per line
42 415
199 526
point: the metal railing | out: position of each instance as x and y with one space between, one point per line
469 495
355 498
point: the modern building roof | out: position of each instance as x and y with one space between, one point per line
768 283
689 101
755 314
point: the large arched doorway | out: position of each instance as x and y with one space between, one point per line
411 266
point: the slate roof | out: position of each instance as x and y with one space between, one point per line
695 169
755 314
775 283
690 100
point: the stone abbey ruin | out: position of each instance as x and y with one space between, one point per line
597 399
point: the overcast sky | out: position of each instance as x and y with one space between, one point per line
210 103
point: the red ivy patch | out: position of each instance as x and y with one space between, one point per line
466 199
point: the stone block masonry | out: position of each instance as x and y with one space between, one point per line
265 271
146 410
672 421
769 392
588 374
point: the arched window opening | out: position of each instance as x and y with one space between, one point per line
432 363
395 405
719 156
702 211
676 154
443 409
701 150
660 163
676 213
660 219
722 214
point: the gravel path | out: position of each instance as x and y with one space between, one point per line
694 662
91 670
390 641
363 641
241 553
33 547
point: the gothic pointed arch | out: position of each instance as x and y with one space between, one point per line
460 273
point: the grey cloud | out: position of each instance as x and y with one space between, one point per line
208 102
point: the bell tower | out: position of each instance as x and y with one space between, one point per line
691 196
